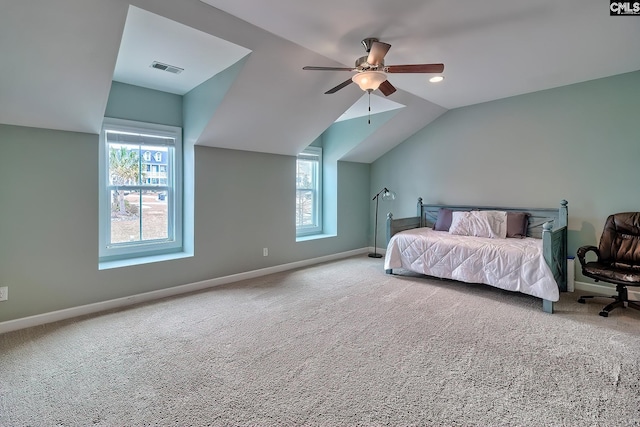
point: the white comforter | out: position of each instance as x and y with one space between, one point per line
511 264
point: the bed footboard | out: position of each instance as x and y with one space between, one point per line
554 249
397 225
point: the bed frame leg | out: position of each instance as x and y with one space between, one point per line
389 271
547 306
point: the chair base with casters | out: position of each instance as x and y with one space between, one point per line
618 260
618 300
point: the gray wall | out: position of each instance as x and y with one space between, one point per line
243 201
144 105
579 142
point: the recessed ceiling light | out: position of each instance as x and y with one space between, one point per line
436 79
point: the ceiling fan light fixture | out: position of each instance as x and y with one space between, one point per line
369 80
436 79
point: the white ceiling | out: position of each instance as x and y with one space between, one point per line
491 49
369 103
59 59
148 37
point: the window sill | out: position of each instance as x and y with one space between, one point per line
105 265
314 237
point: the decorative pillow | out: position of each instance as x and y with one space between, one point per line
491 224
443 222
517 224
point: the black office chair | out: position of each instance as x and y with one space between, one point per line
618 259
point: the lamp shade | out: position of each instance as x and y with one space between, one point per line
369 80
388 195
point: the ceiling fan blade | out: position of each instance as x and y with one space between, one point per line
327 68
387 88
415 68
377 53
340 86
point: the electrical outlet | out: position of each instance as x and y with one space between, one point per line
4 293
265 251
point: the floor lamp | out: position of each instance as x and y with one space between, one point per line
386 195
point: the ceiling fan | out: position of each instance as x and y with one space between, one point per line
371 71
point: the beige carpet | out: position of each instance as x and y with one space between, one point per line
335 344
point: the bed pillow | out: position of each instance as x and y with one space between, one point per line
491 224
443 222
517 224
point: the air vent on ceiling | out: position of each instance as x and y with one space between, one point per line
166 67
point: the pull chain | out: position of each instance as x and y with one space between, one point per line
369 120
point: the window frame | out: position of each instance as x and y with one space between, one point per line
174 243
308 230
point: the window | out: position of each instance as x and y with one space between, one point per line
309 192
140 193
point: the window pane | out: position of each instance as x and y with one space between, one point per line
125 224
305 177
305 194
139 214
155 215
309 192
305 208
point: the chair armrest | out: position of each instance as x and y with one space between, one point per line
582 252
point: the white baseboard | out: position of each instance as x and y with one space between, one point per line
604 290
68 313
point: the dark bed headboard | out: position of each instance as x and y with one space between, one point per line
537 216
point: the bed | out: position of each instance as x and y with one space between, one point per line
534 264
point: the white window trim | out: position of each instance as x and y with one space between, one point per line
314 230
109 254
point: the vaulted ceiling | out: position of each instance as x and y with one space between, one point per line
59 59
